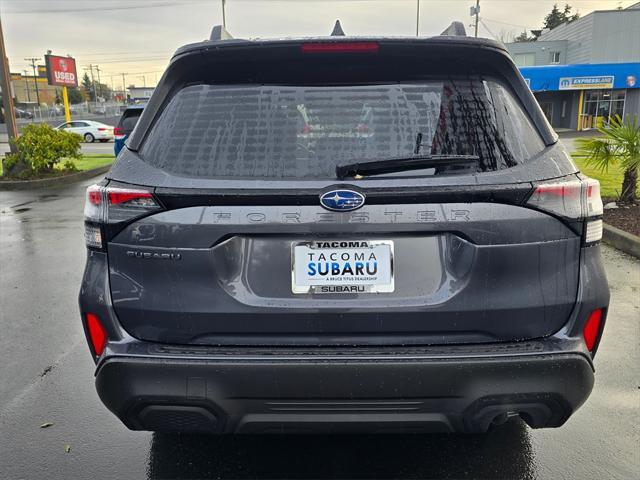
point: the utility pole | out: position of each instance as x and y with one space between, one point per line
7 97
99 84
93 82
124 89
32 62
417 17
224 17
26 86
144 80
476 11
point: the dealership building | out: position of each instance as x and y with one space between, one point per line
585 71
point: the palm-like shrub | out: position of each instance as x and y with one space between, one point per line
619 144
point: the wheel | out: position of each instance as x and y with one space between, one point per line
89 138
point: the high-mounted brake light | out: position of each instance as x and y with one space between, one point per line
592 329
340 47
574 199
97 334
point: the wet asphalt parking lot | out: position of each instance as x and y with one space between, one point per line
46 375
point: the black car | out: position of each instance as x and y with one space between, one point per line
343 235
23 114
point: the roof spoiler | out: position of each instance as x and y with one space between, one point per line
456 29
220 33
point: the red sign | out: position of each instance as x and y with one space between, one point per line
61 71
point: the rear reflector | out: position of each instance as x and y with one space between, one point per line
97 334
591 329
340 47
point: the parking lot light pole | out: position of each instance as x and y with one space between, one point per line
7 97
65 101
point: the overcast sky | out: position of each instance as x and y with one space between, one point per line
139 36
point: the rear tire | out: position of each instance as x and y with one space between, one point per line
89 138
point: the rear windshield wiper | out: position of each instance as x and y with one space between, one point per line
441 163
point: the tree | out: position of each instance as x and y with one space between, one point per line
619 144
556 17
87 86
523 37
104 91
75 95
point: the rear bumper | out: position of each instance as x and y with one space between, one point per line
307 393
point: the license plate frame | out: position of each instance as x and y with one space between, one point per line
345 285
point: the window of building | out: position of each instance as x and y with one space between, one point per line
555 57
524 59
600 106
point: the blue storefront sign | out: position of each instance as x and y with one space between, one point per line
582 77
582 83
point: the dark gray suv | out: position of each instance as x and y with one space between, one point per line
343 235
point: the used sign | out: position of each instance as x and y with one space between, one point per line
61 71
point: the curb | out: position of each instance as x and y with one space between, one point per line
626 242
52 182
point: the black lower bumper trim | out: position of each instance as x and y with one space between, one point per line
319 396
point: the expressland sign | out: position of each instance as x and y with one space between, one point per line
61 71
584 83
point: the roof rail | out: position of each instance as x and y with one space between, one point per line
456 29
337 30
219 33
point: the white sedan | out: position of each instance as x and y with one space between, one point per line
89 130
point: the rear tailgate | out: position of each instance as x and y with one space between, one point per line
463 272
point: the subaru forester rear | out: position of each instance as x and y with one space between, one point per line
340 234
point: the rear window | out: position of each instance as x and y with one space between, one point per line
280 131
130 118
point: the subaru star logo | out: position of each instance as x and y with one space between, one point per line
342 200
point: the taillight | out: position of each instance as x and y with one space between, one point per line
100 129
592 329
574 199
340 47
97 334
118 132
112 205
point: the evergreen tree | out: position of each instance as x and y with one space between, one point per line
75 95
87 87
556 17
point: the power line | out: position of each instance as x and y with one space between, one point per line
488 30
507 23
108 9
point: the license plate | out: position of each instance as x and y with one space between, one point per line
362 266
